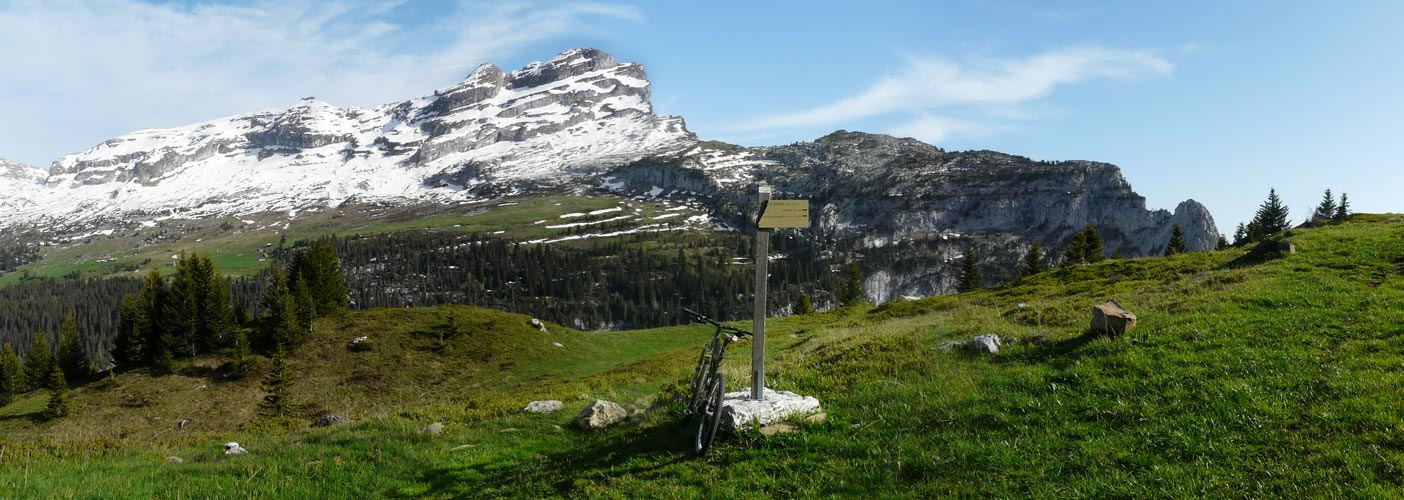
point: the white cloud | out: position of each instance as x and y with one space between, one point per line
77 72
930 85
931 128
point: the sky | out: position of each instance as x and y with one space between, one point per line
1213 101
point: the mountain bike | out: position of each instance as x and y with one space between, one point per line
706 387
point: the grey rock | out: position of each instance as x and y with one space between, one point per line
600 414
330 420
985 344
175 460
549 406
433 429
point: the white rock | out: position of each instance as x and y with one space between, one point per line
548 406
433 429
738 409
600 414
233 448
175 460
987 343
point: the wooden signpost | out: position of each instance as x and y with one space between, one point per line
774 214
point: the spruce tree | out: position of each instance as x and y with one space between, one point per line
212 312
1222 244
58 395
1343 209
1240 235
804 306
70 356
1086 248
243 362
1177 241
277 384
1270 219
1094 246
328 285
306 306
127 348
38 362
969 272
280 325
179 311
852 290
157 344
1327 208
12 379
1033 261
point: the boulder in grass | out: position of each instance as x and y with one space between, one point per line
543 406
433 429
1112 319
600 414
330 420
233 448
985 344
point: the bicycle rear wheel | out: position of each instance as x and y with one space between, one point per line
710 414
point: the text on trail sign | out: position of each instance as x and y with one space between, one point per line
784 213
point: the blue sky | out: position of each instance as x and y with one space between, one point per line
1216 101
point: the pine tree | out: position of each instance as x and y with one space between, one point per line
179 311
58 395
277 384
157 343
280 325
1094 246
70 356
243 362
1177 241
1033 261
1343 209
131 325
852 290
212 312
306 306
328 285
12 379
1327 208
1270 219
1222 244
38 362
969 272
1086 248
1240 235
804 306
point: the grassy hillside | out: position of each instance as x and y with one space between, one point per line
238 244
1247 378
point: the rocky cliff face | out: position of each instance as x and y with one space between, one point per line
889 190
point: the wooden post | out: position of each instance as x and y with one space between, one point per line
758 324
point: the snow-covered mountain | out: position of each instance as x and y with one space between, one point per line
576 112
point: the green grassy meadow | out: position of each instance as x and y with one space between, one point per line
1247 378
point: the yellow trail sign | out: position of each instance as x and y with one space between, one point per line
784 213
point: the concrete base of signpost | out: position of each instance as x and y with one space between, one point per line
739 409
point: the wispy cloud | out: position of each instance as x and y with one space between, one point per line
77 72
928 86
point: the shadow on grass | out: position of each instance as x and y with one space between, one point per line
1068 348
633 452
33 418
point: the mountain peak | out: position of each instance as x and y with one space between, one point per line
573 62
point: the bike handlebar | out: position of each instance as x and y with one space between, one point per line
696 316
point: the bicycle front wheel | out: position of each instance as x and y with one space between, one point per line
710 413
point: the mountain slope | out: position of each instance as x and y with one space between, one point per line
1272 378
577 111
